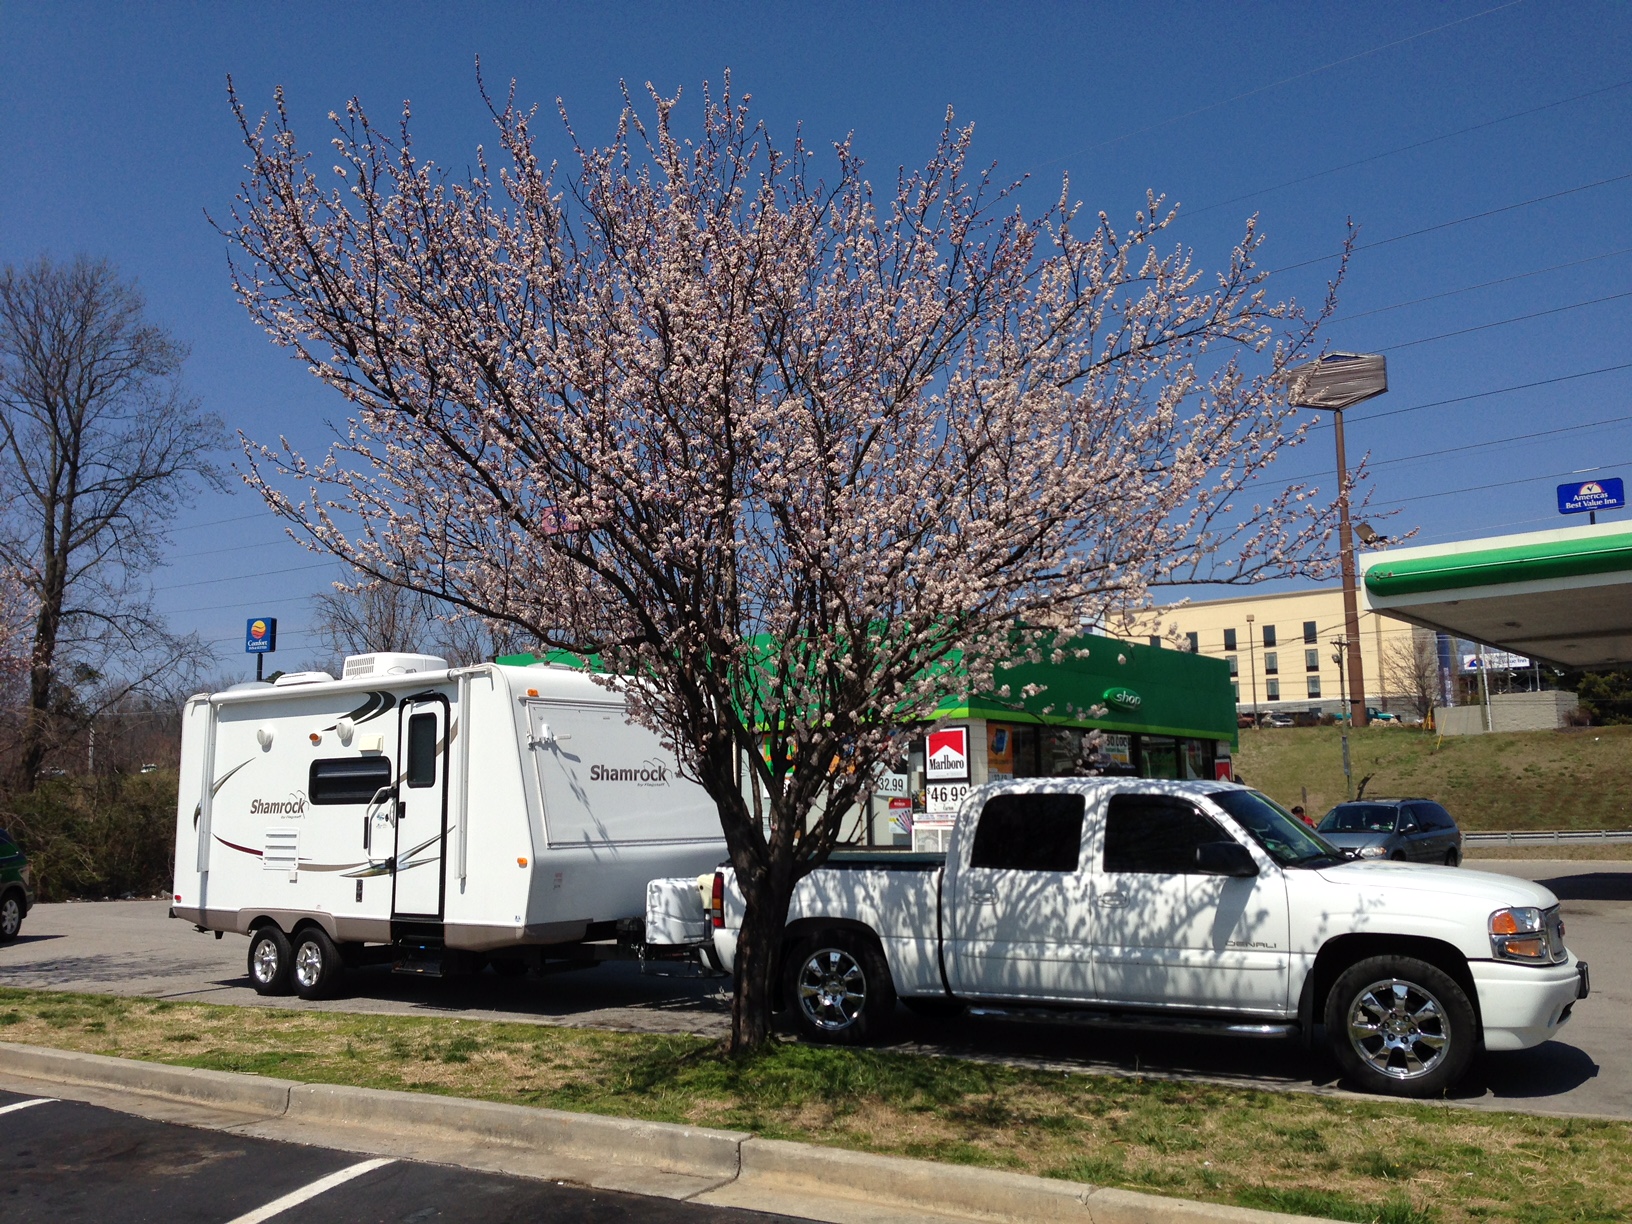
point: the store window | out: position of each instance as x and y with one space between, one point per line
1311 660
1309 631
1269 635
1314 686
1272 690
1229 639
1159 757
1272 663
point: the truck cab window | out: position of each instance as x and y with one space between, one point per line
1029 833
1156 834
347 779
421 769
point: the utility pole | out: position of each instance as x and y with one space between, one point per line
1252 666
1343 704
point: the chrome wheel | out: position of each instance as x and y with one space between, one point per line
1398 1029
832 989
308 965
265 961
11 918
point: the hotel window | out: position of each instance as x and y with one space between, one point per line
1314 686
1235 689
1195 642
1311 660
1235 664
1269 635
1272 689
1309 631
1271 663
1229 639
1156 641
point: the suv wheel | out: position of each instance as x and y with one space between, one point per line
269 957
11 916
839 988
1400 1026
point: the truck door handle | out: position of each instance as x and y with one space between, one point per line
1110 900
984 896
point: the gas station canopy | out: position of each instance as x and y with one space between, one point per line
1562 596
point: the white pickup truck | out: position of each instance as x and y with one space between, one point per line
1185 905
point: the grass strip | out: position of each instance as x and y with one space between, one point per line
1372 1162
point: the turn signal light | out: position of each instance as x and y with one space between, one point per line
522 861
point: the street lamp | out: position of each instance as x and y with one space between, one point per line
1252 667
1335 382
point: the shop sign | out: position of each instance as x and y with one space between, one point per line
901 814
890 784
944 798
1119 697
1118 748
947 759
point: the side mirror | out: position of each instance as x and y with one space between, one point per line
1225 858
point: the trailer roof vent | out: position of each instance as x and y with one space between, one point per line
391 663
307 677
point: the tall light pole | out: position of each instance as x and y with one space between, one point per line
1335 382
1252 667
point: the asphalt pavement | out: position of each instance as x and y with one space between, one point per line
133 948
68 1162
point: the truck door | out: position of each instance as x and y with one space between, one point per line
1167 935
1018 908
422 809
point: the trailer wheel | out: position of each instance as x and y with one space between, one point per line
269 958
316 964
1400 1026
839 988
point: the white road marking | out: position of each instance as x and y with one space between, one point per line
16 1105
296 1197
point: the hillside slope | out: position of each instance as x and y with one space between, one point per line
1575 779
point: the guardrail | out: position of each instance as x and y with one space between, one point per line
1544 837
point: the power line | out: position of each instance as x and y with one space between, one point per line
1443 225
1539 314
1503 484
1251 93
294 569
1462 399
1366 161
1502 280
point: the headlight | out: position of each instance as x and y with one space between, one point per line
1370 852
1518 934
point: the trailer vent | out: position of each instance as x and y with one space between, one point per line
282 852
391 664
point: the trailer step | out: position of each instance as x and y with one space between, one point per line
419 959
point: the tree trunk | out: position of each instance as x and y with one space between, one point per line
758 962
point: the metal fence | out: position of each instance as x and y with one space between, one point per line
1572 837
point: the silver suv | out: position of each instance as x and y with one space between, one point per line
1405 830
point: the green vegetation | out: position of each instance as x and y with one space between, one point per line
105 836
1373 1162
1580 778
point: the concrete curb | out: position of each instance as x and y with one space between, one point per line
731 1168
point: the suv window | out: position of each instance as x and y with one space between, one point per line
1029 833
1432 816
1156 834
1360 818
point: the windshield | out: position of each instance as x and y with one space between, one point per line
1360 818
1283 836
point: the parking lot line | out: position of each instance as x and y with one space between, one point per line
16 1105
296 1197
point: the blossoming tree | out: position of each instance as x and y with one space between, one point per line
777 445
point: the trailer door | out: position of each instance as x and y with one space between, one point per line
422 809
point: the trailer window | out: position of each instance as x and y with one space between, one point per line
348 779
421 769
1029 833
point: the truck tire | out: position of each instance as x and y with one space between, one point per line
839 988
11 916
269 957
315 966
1399 1026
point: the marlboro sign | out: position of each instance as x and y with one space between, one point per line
948 757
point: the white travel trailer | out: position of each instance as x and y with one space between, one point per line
435 817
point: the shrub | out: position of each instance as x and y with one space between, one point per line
97 837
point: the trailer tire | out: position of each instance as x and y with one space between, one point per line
316 966
839 988
269 959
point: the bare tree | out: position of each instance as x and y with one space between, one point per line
376 615
1411 671
99 446
798 460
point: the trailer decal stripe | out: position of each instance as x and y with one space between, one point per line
236 846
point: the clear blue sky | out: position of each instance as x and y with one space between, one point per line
115 138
